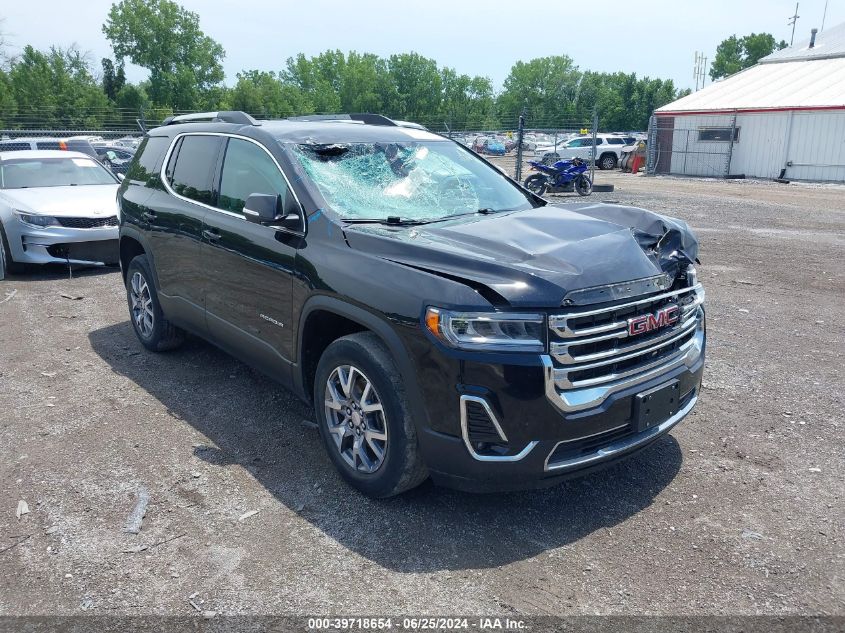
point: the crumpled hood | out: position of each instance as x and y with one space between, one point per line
83 201
534 257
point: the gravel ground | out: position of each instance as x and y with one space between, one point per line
738 511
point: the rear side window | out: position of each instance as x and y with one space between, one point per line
13 146
194 168
248 169
145 166
78 145
49 145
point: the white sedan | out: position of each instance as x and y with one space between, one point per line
56 207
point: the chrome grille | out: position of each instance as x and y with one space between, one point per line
87 223
592 353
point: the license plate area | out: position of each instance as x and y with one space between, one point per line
656 405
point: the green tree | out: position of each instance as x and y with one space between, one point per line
546 86
57 88
415 88
262 94
8 103
318 79
185 64
735 54
113 78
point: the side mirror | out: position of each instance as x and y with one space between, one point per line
120 177
262 208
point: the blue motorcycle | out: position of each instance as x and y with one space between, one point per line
564 176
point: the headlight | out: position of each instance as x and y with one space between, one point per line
39 221
487 331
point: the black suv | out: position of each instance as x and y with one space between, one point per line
443 320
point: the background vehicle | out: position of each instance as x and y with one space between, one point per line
442 320
115 157
56 207
49 143
493 147
564 176
608 150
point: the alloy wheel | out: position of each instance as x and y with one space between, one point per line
355 419
141 305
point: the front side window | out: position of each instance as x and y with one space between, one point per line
426 180
580 142
248 169
615 141
53 172
194 167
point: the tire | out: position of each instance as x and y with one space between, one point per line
151 327
607 161
536 184
8 266
583 186
386 461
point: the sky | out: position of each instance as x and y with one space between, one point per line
655 38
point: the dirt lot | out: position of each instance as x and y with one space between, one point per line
739 511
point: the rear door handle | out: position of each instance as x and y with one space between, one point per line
211 235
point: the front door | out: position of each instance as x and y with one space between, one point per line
250 267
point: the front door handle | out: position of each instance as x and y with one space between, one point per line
211 235
148 215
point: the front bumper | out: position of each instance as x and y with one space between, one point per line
551 436
58 245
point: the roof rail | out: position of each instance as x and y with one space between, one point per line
369 119
226 116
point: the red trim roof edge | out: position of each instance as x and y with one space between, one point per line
749 110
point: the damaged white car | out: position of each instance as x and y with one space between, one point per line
56 207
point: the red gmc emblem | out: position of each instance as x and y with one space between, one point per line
650 322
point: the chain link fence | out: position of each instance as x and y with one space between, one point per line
513 147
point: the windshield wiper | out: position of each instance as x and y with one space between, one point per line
390 221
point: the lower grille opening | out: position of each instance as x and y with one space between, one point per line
594 443
104 251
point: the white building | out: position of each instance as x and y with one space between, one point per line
785 113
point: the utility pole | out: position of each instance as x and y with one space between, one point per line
792 20
699 69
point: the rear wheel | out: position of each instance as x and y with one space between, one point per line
364 418
607 161
536 184
154 331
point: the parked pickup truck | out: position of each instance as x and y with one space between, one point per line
444 321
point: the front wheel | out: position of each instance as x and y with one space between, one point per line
583 186
364 418
536 184
608 161
8 266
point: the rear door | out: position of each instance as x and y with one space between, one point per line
250 266
175 222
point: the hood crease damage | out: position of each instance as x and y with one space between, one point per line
536 257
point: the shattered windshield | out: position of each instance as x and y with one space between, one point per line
412 181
